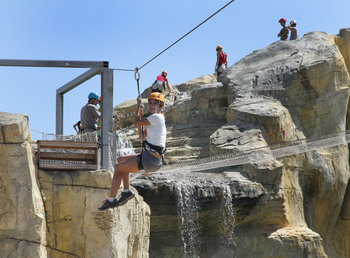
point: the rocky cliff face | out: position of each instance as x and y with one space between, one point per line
54 214
22 218
264 200
293 206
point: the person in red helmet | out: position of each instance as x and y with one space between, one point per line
150 159
283 35
221 61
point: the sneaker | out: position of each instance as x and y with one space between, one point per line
107 204
125 197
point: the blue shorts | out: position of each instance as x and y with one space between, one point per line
148 162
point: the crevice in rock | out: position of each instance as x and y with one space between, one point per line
38 243
24 240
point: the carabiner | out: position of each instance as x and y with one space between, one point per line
137 74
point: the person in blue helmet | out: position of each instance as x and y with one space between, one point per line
89 114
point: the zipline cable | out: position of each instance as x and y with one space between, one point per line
211 16
187 34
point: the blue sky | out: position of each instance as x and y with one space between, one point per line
128 34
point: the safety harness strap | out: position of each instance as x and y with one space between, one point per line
159 149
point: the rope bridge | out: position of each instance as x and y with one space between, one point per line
262 154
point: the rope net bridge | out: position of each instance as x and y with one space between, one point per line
262 154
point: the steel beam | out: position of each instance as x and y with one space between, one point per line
54 63
79 80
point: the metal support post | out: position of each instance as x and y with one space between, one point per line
107 114
59 114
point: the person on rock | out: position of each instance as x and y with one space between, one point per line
293 30
159 83
283 35
151 157
221 61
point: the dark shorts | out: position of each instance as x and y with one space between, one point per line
148 162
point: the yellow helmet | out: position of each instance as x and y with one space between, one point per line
157 96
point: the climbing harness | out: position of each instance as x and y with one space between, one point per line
148 146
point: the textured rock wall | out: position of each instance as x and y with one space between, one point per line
294 206
22 216
54 214
288 91
76 227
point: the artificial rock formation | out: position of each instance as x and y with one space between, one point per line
76 227
22 218
293 206
54 213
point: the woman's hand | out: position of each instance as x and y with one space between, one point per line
139 100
